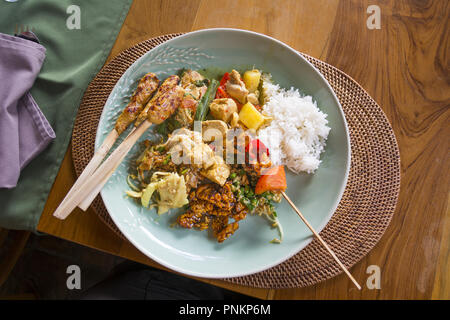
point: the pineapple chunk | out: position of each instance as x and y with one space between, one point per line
251 79
251 117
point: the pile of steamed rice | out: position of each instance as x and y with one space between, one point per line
297 134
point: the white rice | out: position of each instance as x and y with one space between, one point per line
297 134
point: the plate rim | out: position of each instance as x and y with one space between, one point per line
318 229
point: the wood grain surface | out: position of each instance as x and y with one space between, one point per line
404 66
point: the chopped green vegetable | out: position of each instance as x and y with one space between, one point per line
162 129
201 83
182 72
233 175
172 124
205 101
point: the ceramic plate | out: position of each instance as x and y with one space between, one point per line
249 250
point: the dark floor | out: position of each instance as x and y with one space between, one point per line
42 273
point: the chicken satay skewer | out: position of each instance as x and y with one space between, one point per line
145 89
159 110
166 85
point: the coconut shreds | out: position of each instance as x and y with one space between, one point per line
297 134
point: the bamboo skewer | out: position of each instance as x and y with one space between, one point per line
84 205
321 240
90 168
102 172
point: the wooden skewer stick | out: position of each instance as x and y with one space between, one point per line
102 171
90 168
321 240
84 205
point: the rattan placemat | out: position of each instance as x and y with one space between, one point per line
366 207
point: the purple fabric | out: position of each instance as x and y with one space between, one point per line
24 130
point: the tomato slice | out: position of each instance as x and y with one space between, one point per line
273 179
221 93
255 149
224 80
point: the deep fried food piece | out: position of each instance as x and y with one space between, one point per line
211 206
226 232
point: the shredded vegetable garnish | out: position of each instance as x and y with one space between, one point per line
276 224
261 204
131 184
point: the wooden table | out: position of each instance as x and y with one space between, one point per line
404 66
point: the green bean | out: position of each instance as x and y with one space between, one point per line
203 105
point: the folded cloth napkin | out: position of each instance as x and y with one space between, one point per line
24 130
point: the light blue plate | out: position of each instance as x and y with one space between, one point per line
249 250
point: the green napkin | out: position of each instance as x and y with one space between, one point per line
78 36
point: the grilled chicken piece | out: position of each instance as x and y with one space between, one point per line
166 86
186 146
165 105
212 129
253 98
236 87
145 89
234 120
223 109
217 173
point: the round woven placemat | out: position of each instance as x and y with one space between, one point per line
366 207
